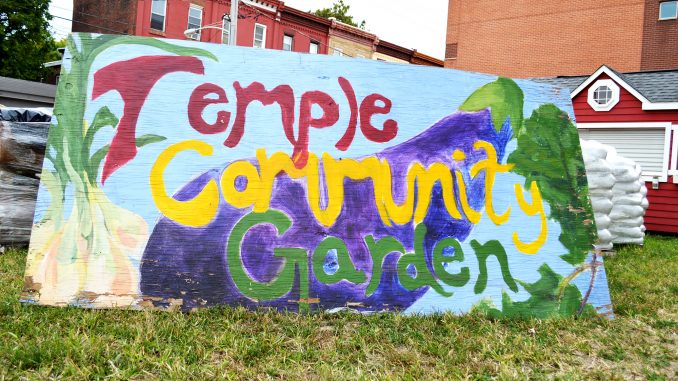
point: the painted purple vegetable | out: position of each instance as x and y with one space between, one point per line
190 264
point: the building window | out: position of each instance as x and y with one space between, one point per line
337 52
259 36
668 10
288 42
314 47
603 95
158 8
226 32
195 21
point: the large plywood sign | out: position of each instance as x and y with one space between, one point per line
185 175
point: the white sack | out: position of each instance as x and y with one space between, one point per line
631 187
602 220
604 236
628 199
628 222
621 212
601 205
625 232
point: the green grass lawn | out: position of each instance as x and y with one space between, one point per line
641 343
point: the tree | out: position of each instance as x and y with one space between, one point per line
25 41
339 11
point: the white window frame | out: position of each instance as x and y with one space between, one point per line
339 52
675 15
254 36
673 171
198 34
613 100
226 30
164 15
286 36
317 47
646 175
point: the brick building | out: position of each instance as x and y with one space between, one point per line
262 23
528 38
349 40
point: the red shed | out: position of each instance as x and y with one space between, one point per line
637 113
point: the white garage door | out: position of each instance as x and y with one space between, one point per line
647 146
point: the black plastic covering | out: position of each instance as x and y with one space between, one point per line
25 115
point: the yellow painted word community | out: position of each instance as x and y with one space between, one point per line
259 187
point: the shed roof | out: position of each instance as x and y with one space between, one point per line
656 86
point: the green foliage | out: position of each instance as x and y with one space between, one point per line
61 43
25 42
546 300
339 11
549 153
224 343
503 97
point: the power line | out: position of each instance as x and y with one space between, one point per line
92 25
92 15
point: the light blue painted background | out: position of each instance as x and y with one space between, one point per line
420 96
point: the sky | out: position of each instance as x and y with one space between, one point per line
397 21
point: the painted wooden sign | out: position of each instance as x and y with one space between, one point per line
185 175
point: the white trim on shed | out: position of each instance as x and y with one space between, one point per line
646 103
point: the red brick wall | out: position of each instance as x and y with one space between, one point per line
529 38
660 40
110 16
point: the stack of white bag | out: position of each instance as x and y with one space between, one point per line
601 180
629 196
618 195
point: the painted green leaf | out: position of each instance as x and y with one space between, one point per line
148 139
107 42
504 98
100 154
104 117
95 163
549 153
543 302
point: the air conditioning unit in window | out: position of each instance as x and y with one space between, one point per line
192 33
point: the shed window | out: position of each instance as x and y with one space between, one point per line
668 10
603 95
